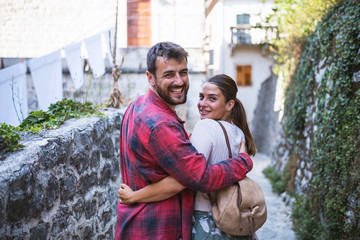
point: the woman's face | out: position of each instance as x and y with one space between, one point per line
212 103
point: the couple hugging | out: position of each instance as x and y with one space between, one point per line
165 174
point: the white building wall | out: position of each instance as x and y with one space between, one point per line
181 22
217 25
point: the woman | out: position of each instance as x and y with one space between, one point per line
217 101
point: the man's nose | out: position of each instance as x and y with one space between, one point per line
177 79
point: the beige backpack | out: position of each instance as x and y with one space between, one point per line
239 209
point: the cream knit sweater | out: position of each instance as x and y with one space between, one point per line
208 138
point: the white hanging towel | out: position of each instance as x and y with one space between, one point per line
46 73
94 50
75 64
13 94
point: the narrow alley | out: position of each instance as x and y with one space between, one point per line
278 224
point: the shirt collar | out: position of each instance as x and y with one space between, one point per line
161 103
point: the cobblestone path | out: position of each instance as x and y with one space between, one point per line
278 225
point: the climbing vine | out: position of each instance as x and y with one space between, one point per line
329 208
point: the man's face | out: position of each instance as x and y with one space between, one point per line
171 82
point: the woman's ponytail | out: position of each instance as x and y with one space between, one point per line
238 116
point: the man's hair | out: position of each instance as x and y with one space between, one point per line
168 50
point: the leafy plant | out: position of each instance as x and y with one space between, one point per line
277 181
9 138
57 114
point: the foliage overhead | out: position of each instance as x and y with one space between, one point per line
296 19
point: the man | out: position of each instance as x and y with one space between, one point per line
154 144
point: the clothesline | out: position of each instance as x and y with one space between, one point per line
46 73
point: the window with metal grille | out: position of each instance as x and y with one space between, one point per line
211 57
243 75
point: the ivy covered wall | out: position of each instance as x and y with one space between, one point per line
320 150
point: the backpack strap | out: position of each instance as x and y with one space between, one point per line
226 138
230 155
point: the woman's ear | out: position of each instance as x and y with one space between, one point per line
230 105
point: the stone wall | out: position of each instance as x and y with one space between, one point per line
63 184
265 125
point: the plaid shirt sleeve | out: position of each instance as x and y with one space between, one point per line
175 154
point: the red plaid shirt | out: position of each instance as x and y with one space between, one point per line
153 145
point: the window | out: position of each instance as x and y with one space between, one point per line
243 75
242 19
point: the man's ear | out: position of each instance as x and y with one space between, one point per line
151 79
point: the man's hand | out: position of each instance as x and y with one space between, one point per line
125 194
243 147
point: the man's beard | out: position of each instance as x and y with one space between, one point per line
164 94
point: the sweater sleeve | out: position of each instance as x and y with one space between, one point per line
201 138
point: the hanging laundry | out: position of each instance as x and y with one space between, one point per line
13 94
46 73
95 55
75 64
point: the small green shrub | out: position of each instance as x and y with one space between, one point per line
306 221
57 114
9 138
276 179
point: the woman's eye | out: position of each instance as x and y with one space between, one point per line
212 99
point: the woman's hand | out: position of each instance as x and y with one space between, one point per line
242 147
125 194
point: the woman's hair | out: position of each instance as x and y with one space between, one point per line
168 50
229 89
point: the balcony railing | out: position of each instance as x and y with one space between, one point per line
252 35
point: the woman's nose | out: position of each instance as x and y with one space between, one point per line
202 103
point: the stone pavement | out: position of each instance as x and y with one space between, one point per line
278 224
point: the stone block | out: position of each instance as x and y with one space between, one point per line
60 222
107 148
52 191
53 153
78 208
87 182
94 159
90 208
68 186
39 232
105 173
